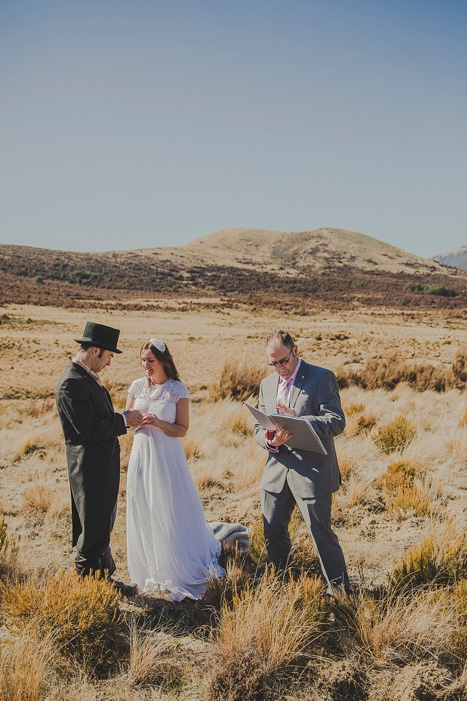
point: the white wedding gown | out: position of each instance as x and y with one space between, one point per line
169 544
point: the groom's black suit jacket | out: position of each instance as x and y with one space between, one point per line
90 426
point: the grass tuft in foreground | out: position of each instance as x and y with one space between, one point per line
262 633
81 614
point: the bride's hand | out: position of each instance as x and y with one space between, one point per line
152 420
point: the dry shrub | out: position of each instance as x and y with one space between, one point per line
463 419
37 499
458 645
387 372
357 488
396 435
394 629
262 633
257 545
82 614
440 559
43 407
360 424
153 659
8 553
354 408
241 425
237 382
347 466
126 444
192 450
24 664
409 501
403 497
459 366
30 445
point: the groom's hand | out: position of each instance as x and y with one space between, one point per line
133 417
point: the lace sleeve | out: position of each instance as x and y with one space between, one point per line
179 391
136 387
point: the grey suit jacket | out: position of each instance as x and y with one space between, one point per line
90 427
315 395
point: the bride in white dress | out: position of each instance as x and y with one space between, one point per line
169 544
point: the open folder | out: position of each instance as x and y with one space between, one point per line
304 436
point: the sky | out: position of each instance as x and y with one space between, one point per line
131 124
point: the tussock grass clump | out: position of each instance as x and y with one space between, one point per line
441 559
37 499
404 498
153 659
82 614
30 445
396 630
387 372
257 549
24 664
237 382
396 435
8 553
42 407
263 632
409 501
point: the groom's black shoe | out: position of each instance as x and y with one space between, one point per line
124 589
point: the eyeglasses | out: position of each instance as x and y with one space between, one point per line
284 361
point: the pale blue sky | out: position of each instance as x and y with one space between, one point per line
138 123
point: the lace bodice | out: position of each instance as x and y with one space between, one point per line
160 400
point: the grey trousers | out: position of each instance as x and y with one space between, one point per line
277 510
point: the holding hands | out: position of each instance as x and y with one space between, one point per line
152 420
133 417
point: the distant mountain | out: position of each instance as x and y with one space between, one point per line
330 267
457 257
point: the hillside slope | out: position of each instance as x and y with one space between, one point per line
334 267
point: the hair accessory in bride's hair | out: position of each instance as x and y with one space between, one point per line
157 343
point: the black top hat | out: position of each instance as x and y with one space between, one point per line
100 336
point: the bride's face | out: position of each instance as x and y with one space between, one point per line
152 367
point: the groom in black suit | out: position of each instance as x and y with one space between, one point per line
91 429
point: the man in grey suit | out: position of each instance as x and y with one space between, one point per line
91 429
300 477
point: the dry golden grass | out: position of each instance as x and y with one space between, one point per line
394 630
25 665
81 614
396 435
154 659
440 559
238 381
261 633
37 499
168 652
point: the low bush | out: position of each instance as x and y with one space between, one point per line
394 629
82 614
423 289
396 435
438 560
265 631
8 553
387 372
237 382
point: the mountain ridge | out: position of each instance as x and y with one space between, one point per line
456 257
333 267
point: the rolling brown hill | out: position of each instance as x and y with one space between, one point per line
326 266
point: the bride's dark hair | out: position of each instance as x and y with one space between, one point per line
165 358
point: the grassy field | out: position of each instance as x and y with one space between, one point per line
401 516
